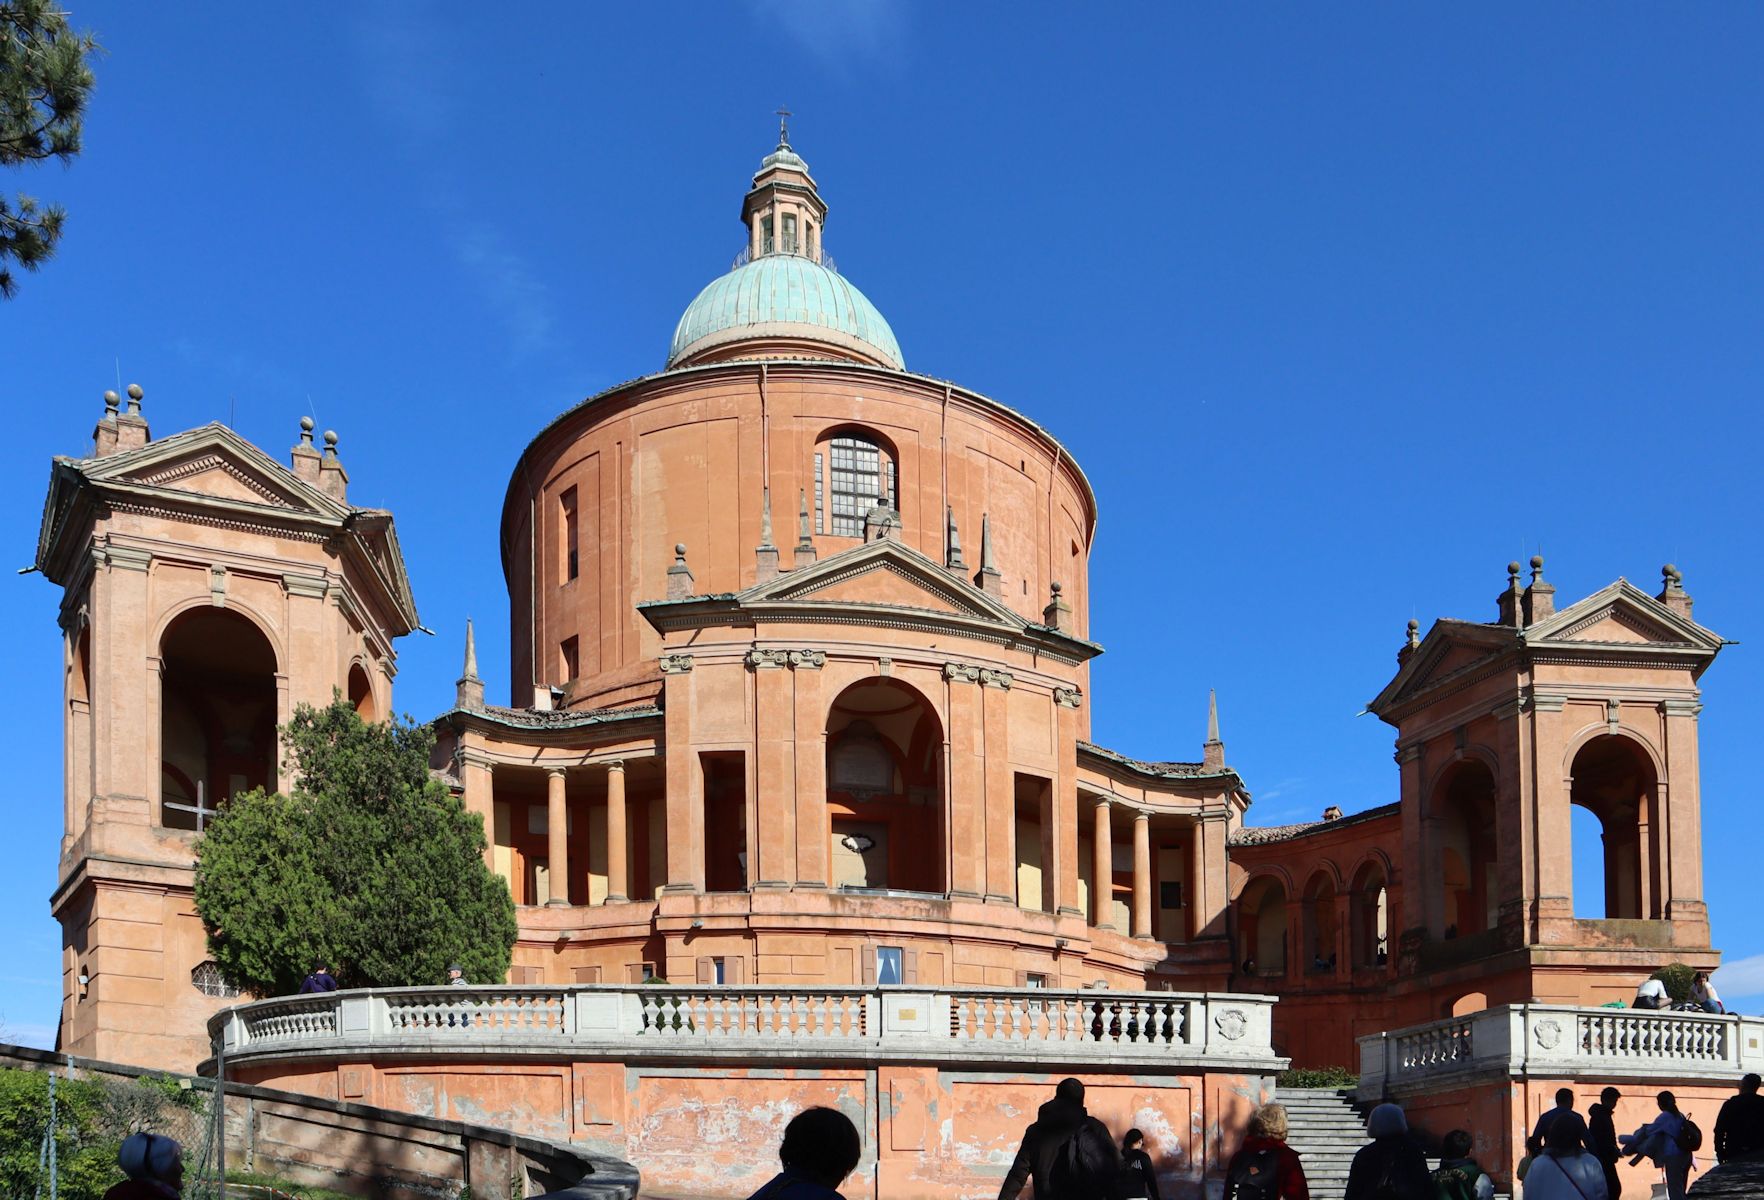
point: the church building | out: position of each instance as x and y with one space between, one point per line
800 695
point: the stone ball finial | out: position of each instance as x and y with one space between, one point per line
1671 574
1056 588
307 423
1537 562
111 401
1414 625
679 549
330 439
1513 570
135 392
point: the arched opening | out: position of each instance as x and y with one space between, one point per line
1320 925
853 469
1467 900
1614 781
1463 1006
217 715
1369 914
361 694
884 793
1262 926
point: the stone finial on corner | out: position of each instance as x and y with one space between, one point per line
805 544
305 456
469 689
104 436
1411 639
131 427
1213 749
1510 602
1540 597
333 480
1058 613
988 579
1672 593
679 575
765 555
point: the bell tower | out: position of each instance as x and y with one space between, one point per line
1502 729
206 591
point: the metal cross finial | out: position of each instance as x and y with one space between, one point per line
784 115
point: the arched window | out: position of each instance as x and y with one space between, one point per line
861 764
361 693
207 979
851 473
884 787
1371 917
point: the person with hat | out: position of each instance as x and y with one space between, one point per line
456 976
154 1165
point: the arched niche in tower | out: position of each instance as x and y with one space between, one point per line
1613 779
361 693
217 714
1465 859
884 789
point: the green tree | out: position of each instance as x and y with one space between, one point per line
85 1153
45 79
370 865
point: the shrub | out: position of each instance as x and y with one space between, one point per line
1677 978
85 1152
1317 1077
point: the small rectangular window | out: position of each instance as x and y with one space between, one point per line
719 970
567 503
889 965
811 240
571 659
790 233
1034 980
766 236
1170 894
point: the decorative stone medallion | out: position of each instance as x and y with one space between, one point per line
1231 1023
1548 1033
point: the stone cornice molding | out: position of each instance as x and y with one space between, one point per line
127 558
1681 708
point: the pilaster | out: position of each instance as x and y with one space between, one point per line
685 778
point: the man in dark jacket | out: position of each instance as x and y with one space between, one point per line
320 980
1088 1171
1390 1164
1601 1138
1739 1130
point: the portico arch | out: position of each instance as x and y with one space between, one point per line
1465 855
217 714
1613 777
1261 924
1369 914
885 789
1320 934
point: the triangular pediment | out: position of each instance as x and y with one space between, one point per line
1450 650
212 466
883 574
1621 614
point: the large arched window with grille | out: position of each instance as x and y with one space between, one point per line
851 473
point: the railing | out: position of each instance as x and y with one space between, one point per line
1560 1041
986 1024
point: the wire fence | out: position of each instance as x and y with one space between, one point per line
60 1131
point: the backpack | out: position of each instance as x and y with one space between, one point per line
1457 1183
1079 1171
1690 1138
1257 1174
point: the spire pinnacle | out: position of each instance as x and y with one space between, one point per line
1213 749
784 115
988 580
765 554
952 554
468 691
805 544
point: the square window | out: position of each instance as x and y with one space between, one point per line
1035 980
888 964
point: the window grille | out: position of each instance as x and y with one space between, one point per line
860 474
766 236
207 979
820 505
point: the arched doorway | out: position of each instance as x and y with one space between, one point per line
1614 780
1319 948
884 789
1369 914
217 715
1262 926
1467 897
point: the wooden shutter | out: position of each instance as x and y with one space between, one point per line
1022 979
870 965
732 970
707 970
587 974
909 965
633 972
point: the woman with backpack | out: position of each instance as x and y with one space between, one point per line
1565 1171
1390 1166
1139 1179
1669 1139
1266 1168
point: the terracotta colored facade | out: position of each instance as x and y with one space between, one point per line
770 728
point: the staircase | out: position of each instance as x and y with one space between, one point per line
1328 1127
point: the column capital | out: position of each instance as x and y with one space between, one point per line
1101 801
614 764
1681 708
1072 697
1140 814
475 758
1546 702
997 679
957 672
556 772
675 664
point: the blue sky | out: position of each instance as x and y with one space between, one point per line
1340 311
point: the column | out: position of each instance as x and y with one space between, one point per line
1200 896
558 827
1102 870
618 852
480 799
1142 875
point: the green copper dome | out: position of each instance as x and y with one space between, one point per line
785 296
